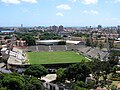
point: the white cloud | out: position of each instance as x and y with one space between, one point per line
87 2
113 20
18 1
94 12
85 11
117 0
72 0
25 10
59 14
11 1
91 12
63 7
112 1
30 1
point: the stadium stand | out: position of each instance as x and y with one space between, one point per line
31 48
43 48
58 48
87 51
84 49
96 53
40 48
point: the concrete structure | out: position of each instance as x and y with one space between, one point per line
20 43
48 42
74 42
56 42
7 31
16 56
51 86
117 44
49 77
5 71
40 48
94 53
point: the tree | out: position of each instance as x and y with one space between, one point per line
105 69
114 58
47 36
77 72
30 40
79 85
111 43
19 82
95 69
28 37
3 88
100 68
95 43
101 45
7 37
32 83
36 70
12 82
88 43
61 74
114 87
79 88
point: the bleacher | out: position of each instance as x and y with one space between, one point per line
58 48
31 48
71 47
40 48
84 49
97 53
93 53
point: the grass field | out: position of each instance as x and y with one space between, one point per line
54 57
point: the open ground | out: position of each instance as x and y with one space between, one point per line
54 57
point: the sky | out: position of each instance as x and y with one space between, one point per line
59 12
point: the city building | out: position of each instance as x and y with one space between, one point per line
61 28
99 27
118 29
54 29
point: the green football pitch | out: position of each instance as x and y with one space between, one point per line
54 57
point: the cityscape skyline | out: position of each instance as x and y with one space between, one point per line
57 12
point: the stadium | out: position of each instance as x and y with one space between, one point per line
49 54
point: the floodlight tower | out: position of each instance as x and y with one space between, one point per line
107 41
11 43
90 37
10 47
